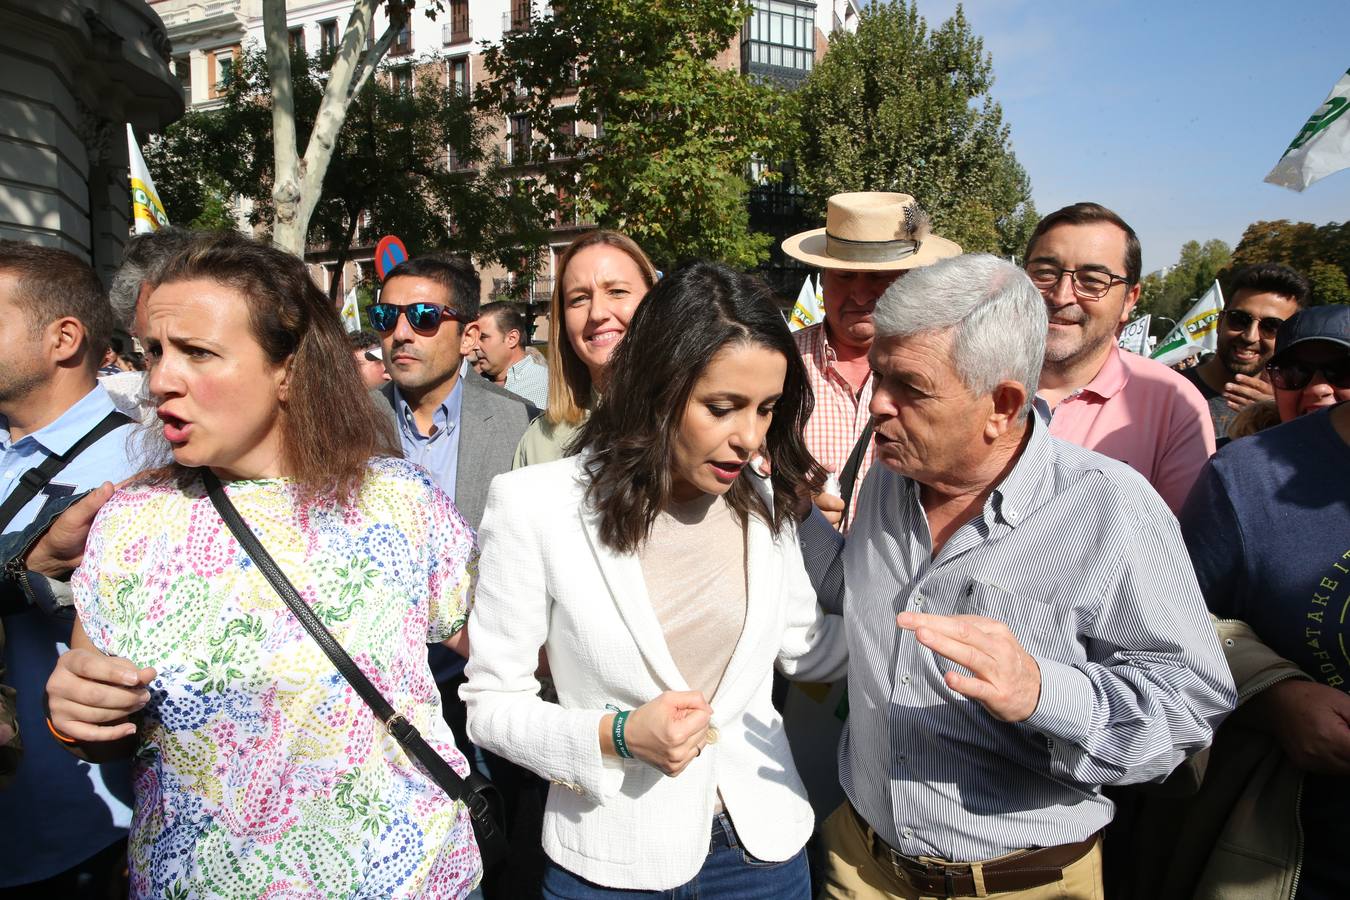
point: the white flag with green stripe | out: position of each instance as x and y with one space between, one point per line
1196 332
1322 146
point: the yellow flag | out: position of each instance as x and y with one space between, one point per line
146 209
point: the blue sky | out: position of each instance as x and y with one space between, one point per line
1171 113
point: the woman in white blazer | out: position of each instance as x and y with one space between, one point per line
662 575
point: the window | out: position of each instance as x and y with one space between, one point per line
520 15
519 140
778 41
403 40
296 39
459 21
182 68
328 36
403 79
222 64
458 72
565 141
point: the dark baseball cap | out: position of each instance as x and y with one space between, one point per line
1316 323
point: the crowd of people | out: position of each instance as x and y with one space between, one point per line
1085 654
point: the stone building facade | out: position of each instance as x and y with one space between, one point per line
73 73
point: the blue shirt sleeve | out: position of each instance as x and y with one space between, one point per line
1213 535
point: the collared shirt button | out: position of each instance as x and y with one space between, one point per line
907 833
1012 515
918 601
904 679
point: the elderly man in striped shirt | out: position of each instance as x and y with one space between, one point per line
869 240
1051 637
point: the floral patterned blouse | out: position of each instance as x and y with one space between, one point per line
260 772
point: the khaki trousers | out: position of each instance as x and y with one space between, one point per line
852 873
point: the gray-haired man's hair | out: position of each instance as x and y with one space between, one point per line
142 260
995 314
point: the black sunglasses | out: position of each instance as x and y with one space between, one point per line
1295 375
424 317
1242 321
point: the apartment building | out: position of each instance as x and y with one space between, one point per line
780 41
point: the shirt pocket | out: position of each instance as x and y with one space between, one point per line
1031 619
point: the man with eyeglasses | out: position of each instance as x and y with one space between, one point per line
1268 532
1260 299
1085 260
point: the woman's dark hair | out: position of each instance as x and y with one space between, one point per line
330 428
687 319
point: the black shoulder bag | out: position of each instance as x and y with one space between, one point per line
849 477
475 792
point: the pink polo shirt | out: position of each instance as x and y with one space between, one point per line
1145 415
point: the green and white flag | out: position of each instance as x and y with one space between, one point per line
1196 332
1322 146
1134 336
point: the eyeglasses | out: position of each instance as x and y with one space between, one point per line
1090 284
1295 375
423 317
1241 321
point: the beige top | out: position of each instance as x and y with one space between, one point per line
694 567
544 442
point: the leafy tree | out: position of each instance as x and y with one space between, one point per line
1172 294
1329 284
678 133
388 166
299 176
1322 252
897 106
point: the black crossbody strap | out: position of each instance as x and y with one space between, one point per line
849 477
468 791
35 479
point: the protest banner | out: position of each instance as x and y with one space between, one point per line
1134 336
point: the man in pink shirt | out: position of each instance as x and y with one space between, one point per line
1086 261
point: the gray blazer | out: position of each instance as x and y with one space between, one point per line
491 422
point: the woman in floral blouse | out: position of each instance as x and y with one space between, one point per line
260 772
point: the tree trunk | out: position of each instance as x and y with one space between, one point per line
299 179
342 253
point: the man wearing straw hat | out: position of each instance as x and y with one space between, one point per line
869 240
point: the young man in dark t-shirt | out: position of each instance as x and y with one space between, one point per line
1268 530
1261 298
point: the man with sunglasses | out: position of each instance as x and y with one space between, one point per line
1260 299
1268 531
462 430
1086 262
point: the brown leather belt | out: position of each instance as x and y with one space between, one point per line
1016 872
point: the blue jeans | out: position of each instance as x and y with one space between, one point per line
729 871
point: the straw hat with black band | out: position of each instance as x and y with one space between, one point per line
871 231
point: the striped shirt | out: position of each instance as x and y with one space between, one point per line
839 416
1085 564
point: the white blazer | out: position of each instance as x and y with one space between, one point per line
546 580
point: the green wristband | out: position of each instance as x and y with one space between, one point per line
620 744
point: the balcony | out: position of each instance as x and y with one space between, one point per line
518 19
458 29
